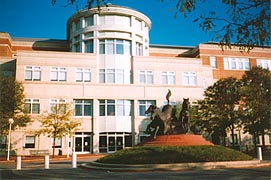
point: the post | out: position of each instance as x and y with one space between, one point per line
74 159
259 153
68 145
10 121
19 163
46 161
240 141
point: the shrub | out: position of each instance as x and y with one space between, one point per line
173 154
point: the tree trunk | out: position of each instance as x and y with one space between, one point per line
232 135
255 142
263 141
54 142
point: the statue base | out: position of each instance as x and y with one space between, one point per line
177 140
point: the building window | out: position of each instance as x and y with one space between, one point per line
83 107
77 24
107 107
83 75
189 78
115 107
236 63
264 63
115 46
168 77
58 106
89 46
123 107
213 62
3 142
58 142
139 49
111 76
89 21
32 106
146 77
32 73
58 74
144 105
29 142
77 47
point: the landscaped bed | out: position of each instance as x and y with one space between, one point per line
173 154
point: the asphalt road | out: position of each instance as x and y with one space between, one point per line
62 169
79 173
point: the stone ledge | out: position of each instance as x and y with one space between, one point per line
175 166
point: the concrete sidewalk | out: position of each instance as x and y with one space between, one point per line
56 158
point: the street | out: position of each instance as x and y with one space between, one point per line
62 169
79 173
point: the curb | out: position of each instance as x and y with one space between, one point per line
175 167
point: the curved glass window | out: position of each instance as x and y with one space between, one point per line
115 46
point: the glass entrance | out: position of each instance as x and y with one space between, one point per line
112 142
83 142
115 143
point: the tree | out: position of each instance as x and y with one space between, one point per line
242 23
58 123
217 111
256 102
11 104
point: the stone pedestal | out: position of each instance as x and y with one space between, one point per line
177 140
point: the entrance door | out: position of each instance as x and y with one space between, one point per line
78 144
83 143
115 143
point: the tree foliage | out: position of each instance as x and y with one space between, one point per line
232 103
256 102
11 104
58 122
217 111
242 23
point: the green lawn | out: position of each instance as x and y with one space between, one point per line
173 154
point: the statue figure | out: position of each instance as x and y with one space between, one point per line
184 114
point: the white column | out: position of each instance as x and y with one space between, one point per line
95 127
74 159
46 161
259 153
18 162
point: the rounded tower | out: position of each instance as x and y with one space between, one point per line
114 34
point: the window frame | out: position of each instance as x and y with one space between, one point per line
83 75
82 104
235 63
57 74
168 77
29 142
189 78
32 72
32 104
143 105
146 77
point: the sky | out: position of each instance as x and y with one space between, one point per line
39 19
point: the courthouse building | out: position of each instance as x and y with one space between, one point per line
110 72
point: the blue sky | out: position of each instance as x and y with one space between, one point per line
39 19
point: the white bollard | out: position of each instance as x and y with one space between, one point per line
74 159
46 161
259 153
18 162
